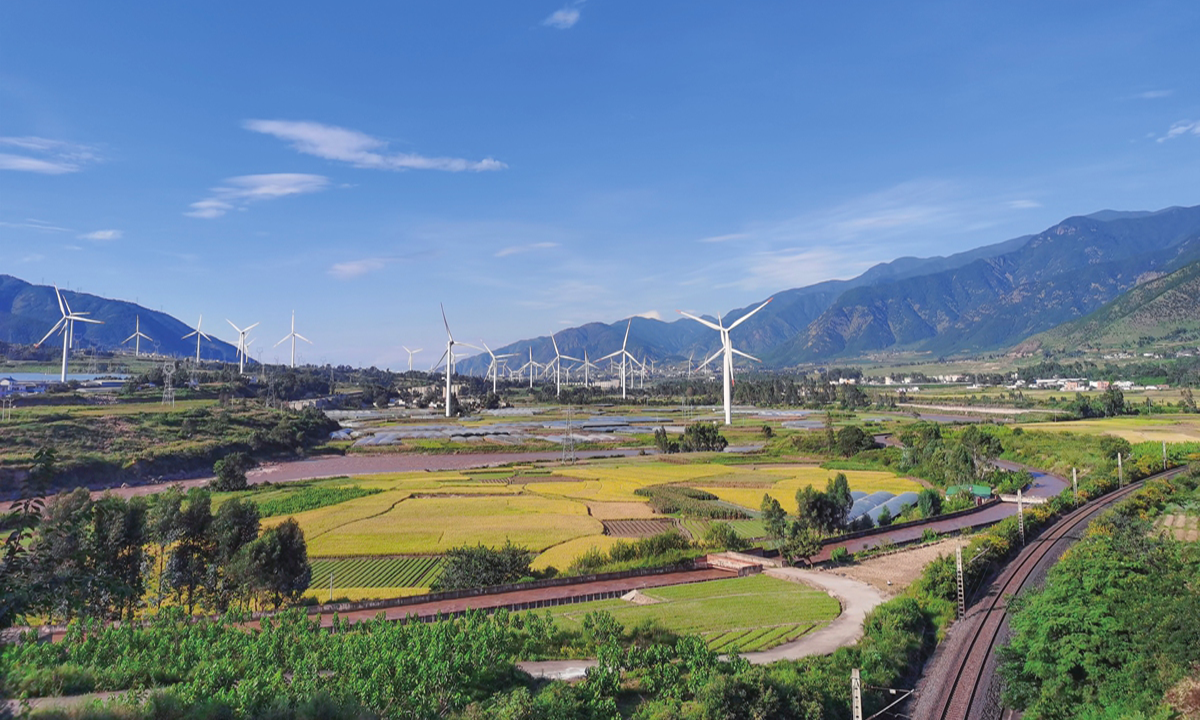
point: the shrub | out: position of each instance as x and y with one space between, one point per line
722 535
839 555
231 472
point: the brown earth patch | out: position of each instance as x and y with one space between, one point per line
621 511
893 572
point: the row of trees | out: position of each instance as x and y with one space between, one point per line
697 437
107 558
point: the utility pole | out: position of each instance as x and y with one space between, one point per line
330 586
1120 472
1164 454
856 694
1021 517
6 406
1075 483
962 593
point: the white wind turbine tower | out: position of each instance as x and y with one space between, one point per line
66 324
728 350
197 332
587 364
293 336
410 355
557 362
494 369
531 365
137 336
448 356
623 354
242 344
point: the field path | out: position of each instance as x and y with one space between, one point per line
856 598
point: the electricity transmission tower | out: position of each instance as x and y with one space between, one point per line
6 408
168 386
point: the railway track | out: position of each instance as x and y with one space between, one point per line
964 697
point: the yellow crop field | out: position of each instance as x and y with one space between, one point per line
322 520
620 510
785 490
1133 429
433 525
592 490
643 473
354 594
562 555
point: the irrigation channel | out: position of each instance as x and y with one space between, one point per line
961 681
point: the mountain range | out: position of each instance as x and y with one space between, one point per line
989 298
985 299
28 311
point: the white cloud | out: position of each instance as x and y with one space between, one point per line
359 149
357 268
33 224
724 238
562 19
1183 127
1024 204
45 156
1155 94
102 235
238 192
35 257
516 249
650 315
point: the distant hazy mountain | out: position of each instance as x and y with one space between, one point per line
28 311
983 299
1165 308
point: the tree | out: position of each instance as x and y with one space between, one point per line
664 443
774 518
278 562
163 527
721 535
17 589
118 534
885 518
190 558
1112 402
983 448
231 472
840 501
851 440
703 436
59 554
479 566
801 543
929 502
234 527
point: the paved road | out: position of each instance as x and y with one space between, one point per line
856 598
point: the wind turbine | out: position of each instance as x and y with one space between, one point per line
448 356
65 324
531 365
557 362
587 364
242 344
198 335
293 336
623 354
495 367
410 355
728 350
137 337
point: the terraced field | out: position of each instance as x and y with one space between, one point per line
372 572
562 555
750 496
749 529
755 613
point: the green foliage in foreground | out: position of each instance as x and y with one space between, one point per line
1114 627
311 498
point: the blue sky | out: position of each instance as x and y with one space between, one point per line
535 165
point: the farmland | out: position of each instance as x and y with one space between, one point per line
372 577
1168 428
751 613
748 492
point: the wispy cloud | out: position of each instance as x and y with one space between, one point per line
33 257
1024 204
724 238
517 249
102 235
359 149
357 268
44 156
238 192
564 18
1154 94
33 224
1183 127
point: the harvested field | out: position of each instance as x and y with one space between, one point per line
638 528
899 568
620 510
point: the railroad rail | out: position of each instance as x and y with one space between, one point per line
969 663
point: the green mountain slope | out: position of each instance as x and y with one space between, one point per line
1163 310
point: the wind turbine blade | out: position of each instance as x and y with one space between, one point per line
610 355
289 337
61 307
626 340
439 362
568 357
130 338
301 337
712 357
53 330
746 317
185 337
205 336
76 318
445 322
745 355
250 327
701 320
235 327
468 345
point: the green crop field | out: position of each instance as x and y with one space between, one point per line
750 613
749 529
376 572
